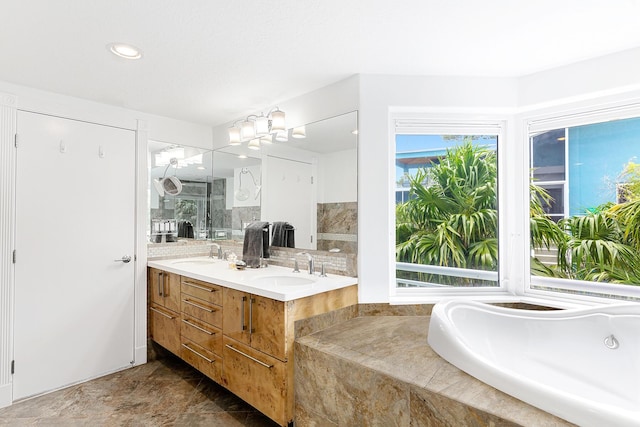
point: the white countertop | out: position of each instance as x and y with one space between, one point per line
271 282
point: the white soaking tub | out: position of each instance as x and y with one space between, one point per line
582 365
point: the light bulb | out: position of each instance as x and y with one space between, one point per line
277 121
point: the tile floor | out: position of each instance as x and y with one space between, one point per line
164 392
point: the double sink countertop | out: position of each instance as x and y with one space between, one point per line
275 282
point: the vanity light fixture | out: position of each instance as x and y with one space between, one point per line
282 136
299 132
234 136
254 144
124 50
267 139
262 127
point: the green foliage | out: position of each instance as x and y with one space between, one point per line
186 210
452 222
631 177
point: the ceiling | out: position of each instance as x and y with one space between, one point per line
213 61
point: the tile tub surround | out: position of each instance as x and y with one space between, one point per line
379 370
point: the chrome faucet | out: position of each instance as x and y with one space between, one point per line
296 269
310 258
322 271
219 250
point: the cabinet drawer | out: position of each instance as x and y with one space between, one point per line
202 359
203 290
257 378
203 334
164 327
202 310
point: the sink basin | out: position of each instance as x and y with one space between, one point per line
195 261
283 281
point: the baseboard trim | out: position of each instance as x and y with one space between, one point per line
6 395
140 355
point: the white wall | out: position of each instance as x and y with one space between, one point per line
600 80
159 128
604 76
335 99
338 177
15 97
379 95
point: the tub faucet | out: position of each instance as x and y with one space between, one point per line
310 258
219 250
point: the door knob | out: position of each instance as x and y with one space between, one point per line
125 259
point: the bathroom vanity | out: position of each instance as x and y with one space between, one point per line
237 327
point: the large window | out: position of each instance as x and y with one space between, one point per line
446 208
585 205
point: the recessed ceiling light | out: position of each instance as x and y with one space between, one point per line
242 156
124 50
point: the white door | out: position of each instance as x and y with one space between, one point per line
292 198
75 215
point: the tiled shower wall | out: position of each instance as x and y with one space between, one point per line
338 226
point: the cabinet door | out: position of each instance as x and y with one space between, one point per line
203 334
268 320
202 290
155 278
235 315
164 288
171 291
164 327
202 359
202 310
257 378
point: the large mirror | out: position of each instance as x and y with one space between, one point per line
180 184
307 184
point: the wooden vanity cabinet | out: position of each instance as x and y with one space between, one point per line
258 379
164 309
258 343
201 328
256 321
164 289
240 340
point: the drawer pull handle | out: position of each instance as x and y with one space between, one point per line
198 327
249 357
160 312
192 350
160 284
202 307
251 329
199 287
243 326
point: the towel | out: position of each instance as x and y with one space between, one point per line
256 243
283 235
185 229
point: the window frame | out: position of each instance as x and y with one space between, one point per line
554 289
406 123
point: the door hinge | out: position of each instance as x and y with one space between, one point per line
15 140
311 239
13 256
312 180
13 367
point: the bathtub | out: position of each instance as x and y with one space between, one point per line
582 365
